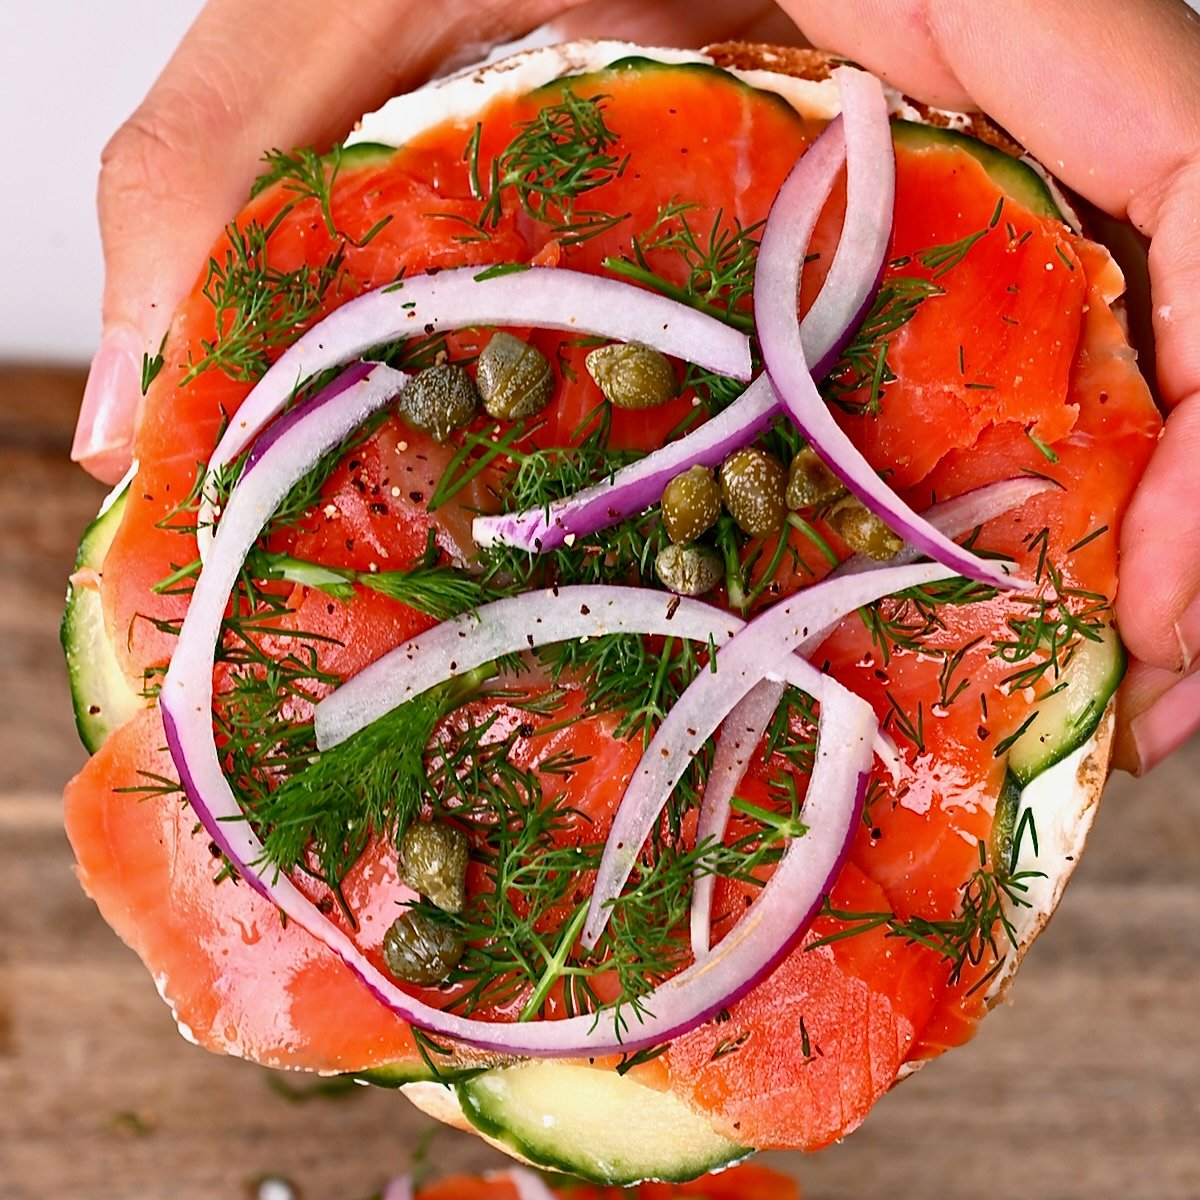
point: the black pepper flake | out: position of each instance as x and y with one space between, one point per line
325 905
214 849
378 507
416 497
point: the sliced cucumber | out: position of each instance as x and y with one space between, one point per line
397 1075
1016 178
1069 714
100 691
594 1123
638 63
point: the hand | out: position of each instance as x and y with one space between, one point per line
249 75
1111 104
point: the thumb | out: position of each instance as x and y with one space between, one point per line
249 75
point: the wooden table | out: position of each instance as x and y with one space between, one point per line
1087 1086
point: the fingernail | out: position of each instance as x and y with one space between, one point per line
104 432
1187 631
1167 723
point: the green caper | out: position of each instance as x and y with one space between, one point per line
514 378
810 482
691 503
863 531
439 400
433 861
753 486
632 375
418 949
689 570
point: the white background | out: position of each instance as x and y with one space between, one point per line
70 72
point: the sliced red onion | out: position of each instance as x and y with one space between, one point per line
793 216
960 515
541 297
399 1187
779 916
637 486
747 723
761 650
740 735
519 623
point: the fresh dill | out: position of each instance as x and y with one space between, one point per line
153 365
979 928
258 306
371 785
638 677
714 268
555 159
1042 642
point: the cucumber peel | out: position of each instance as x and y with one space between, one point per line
100 691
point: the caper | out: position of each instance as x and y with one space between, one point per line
691 503
753 486
433 861
810 482
419 949
632 375
863 531
438 400
514 378
689 570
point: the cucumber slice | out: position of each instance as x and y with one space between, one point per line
363 154
100 691
639 64
594 1123
1068 716
398 1075
1016 178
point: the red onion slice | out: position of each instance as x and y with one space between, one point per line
960 515
541 297
637 486
747 723
870 173
740 735
763 648
778 917
519 623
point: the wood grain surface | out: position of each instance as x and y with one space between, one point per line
1085 1087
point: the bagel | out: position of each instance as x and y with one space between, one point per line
913 943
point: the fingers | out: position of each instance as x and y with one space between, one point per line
250 75
1157 712
665 22
1160 550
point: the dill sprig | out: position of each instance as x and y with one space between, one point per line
864 362
627 673
371 785
1059 619
521 926
623 552
976 931
718 264
556 158
259 307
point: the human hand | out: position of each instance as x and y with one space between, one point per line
1112 105
249 75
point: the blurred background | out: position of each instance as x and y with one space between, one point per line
1086 1087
